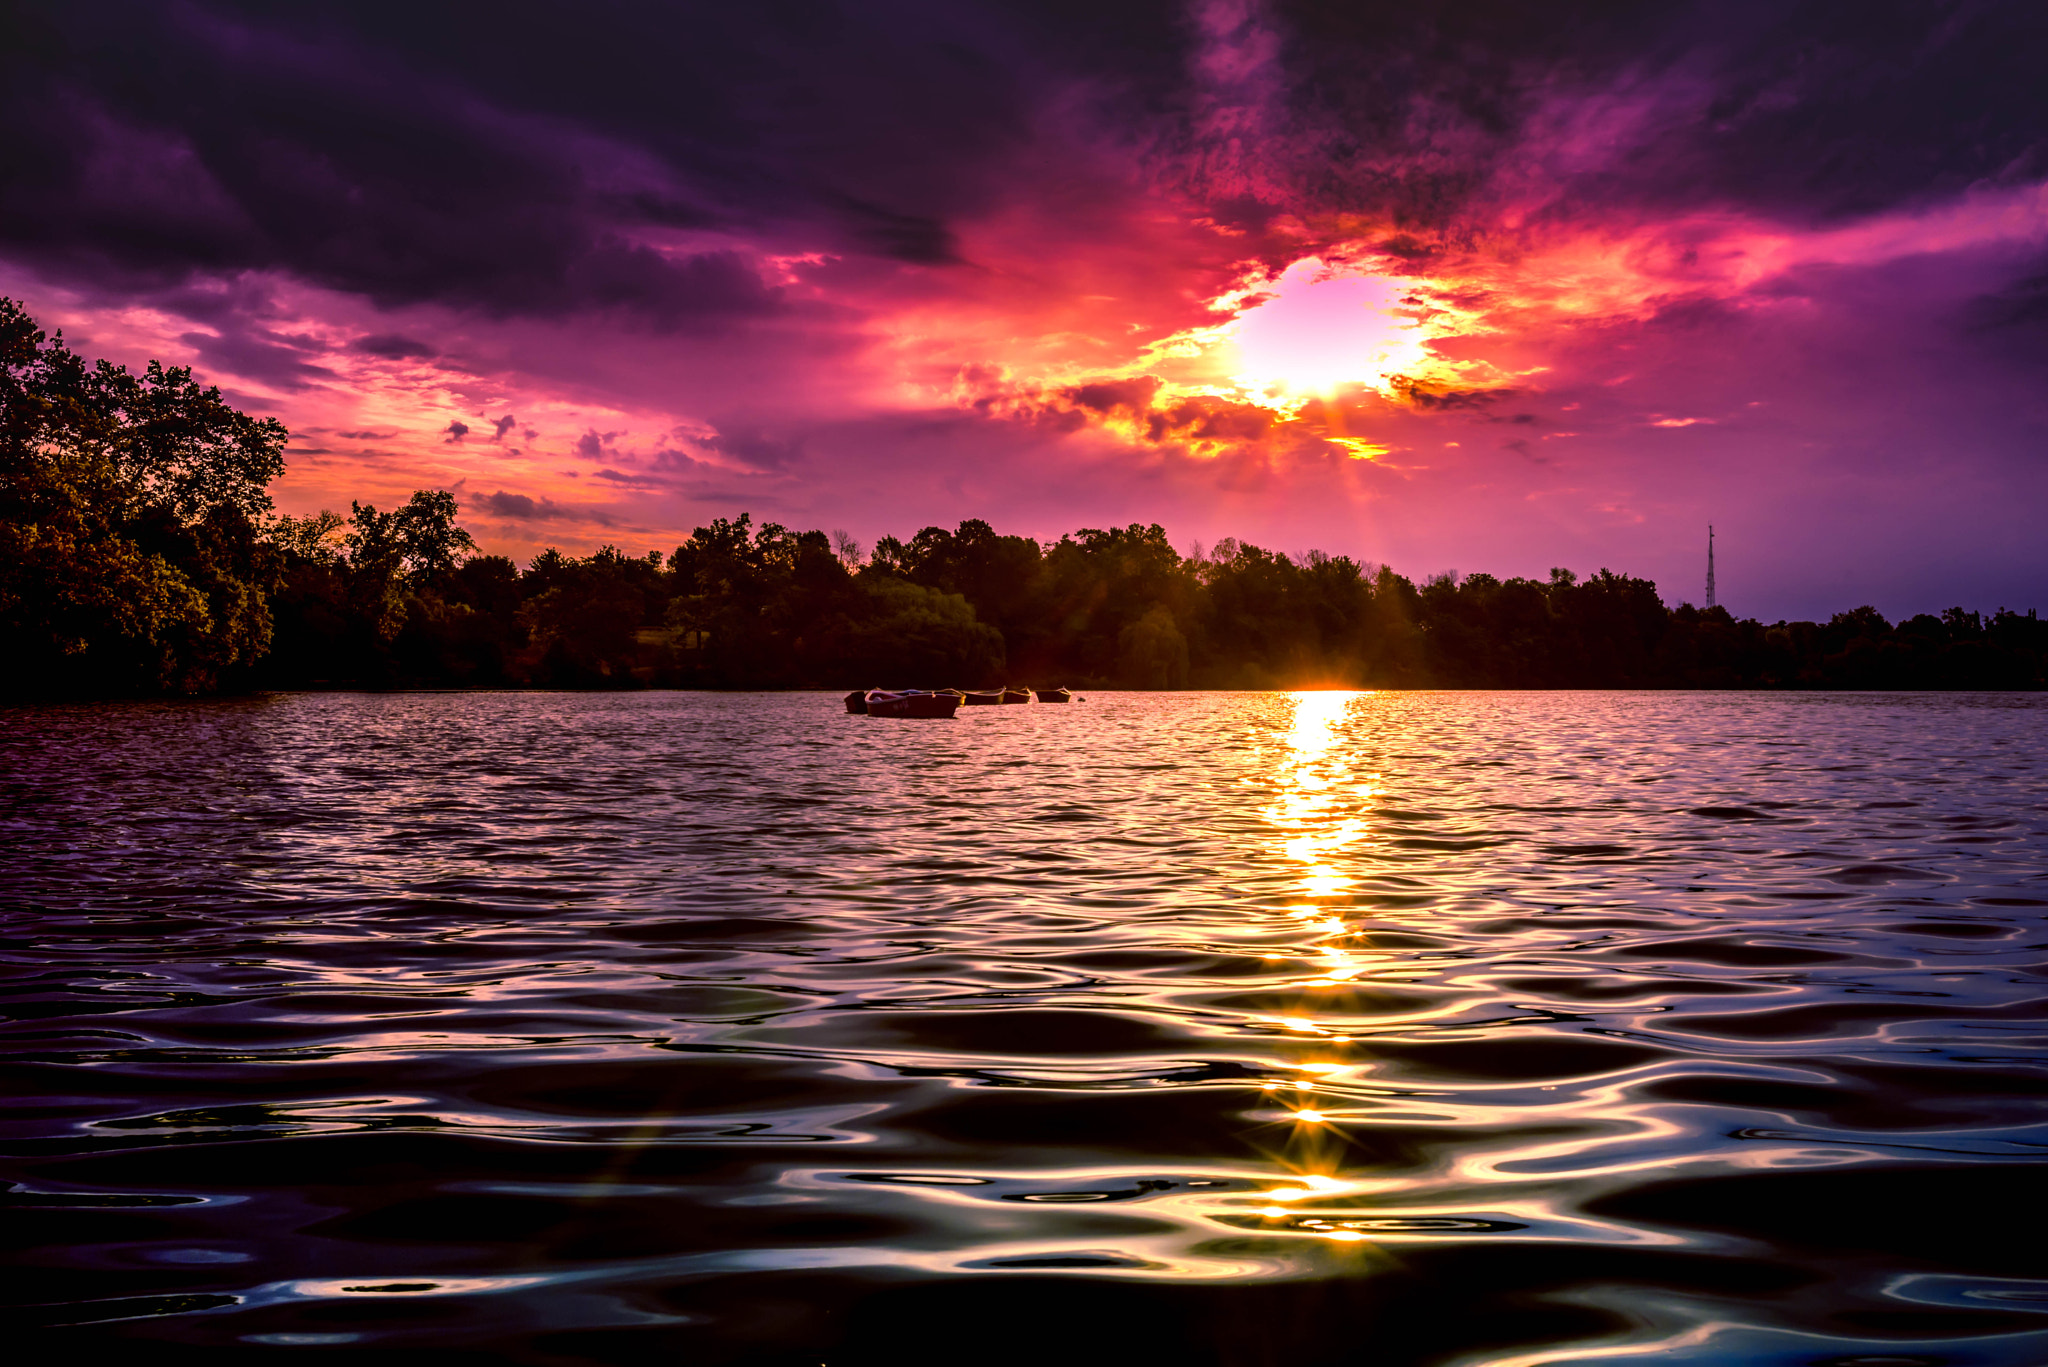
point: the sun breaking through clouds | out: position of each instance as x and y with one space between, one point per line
1488 286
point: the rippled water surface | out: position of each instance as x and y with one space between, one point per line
1202 1028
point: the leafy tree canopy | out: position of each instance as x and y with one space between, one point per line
139 553
131 555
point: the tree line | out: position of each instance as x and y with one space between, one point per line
140 553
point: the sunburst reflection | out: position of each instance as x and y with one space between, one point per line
1318 822
1318 817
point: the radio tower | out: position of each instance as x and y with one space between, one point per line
1710 564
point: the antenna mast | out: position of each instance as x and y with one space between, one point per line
1710 564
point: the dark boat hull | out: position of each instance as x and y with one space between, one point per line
987 699
857 702
925 706
1055 695
1012 695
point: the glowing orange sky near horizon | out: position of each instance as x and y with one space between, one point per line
1326 324
1254 384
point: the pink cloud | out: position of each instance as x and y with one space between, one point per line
1022 312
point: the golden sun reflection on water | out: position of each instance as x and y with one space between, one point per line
1388 1024
1318 817
1318 823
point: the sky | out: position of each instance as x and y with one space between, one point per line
1492 286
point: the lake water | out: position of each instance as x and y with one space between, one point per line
1203 1028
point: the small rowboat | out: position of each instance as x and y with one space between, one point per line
857 702
1055 695
1016 695
911 703
986 698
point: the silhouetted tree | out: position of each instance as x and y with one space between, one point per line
138 553
131 552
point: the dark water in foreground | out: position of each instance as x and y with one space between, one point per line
1246 1029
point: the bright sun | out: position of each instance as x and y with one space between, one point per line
1322 330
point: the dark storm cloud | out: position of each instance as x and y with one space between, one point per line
392 346
759 449
202 138
1853 109
502 504
523 159
2012 320
1807 111
510 158
526 508
591 445
625 480
1107 396
1435 400
268 357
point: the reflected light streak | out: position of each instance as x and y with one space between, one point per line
1307 810
1316 816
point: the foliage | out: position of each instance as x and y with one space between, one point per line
131 551
746 606
138 554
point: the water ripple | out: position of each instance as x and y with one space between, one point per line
1482 1028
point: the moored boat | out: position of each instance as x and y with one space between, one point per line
857 702
986 697
914 702
1055 695
1016 695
